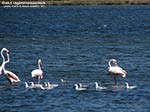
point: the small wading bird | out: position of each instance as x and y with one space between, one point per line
10 75
115 70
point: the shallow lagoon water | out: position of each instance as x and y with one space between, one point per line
75 43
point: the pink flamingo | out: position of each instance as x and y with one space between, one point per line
10 75
38 72
1 67
115 70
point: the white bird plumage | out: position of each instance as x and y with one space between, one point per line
45 84
32 83
83 85
3 63
29 86
77 88
39 86
10 75
63 81
52 85
99 87
129 87
115 70
49 86
38 72
33 86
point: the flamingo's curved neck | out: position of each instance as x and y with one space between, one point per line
109 63
8 59
39 65
2 55
5 62
2 67
113 64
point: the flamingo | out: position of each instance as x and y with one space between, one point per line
115 70
10 75
1 67
38 72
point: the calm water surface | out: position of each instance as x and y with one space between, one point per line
75 43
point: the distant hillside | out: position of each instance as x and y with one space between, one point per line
85 2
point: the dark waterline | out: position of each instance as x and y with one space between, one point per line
75 43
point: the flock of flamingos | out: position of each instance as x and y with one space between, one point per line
114 70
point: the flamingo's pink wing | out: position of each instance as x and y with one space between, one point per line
118 70
36 73
13 76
